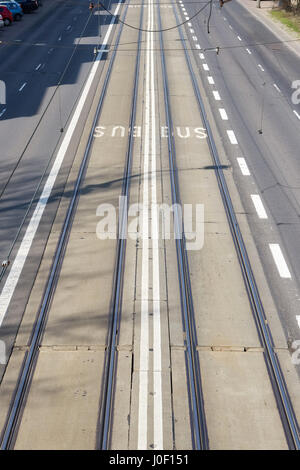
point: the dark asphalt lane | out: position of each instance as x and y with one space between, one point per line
25 108
23 111
252 101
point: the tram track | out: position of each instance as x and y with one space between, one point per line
111 350
198 421
22 389
284 404
105 421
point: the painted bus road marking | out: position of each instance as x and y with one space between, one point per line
183 132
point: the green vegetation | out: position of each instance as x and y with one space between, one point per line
288 19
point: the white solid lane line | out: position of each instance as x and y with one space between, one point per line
261 212
18 264
211 80
23 86
144 336
243 166
157 370
150 153
216 95
232 137
223 114
280 261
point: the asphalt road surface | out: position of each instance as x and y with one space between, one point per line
253 75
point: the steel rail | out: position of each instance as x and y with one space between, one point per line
111 350
198 420
28 366
284 404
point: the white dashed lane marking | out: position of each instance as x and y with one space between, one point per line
205 66
295 112
277 87
243 166
23 86
223 114
261 67
232 137
216 95
202 56
280 262
248 50
2 112
211 80
261 212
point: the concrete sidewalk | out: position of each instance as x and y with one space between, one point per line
283 33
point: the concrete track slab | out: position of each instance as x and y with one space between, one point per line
239 403
62 409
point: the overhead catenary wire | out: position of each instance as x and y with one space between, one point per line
157 30
203 49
